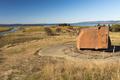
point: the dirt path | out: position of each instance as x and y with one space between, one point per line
68 50
55 50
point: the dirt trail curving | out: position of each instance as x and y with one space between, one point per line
68 50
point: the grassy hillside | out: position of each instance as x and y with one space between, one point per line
21 57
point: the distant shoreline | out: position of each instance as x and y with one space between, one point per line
89 23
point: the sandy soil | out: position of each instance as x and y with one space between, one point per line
68 50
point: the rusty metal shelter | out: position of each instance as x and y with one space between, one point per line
94 38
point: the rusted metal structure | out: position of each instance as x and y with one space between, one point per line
94 38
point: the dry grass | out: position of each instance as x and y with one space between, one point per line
115 38
51 68
81 71
2 29
33 29
31 46
27 34
20 63
18 37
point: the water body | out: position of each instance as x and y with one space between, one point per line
14 29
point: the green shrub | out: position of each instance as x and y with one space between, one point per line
58 30
48 31
115 28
